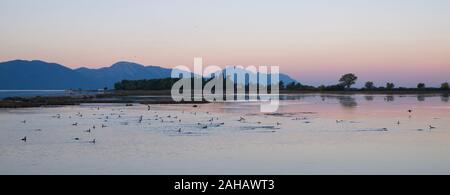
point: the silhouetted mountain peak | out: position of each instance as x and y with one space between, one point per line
124 64
37 74
32 65
282 77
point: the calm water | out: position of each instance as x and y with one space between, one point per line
31 93
311 134
44 93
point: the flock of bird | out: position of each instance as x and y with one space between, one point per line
58 116
430 127
140 120
213 121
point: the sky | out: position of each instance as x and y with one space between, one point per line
314 41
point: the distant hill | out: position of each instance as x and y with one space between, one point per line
286 79
106 77
40 75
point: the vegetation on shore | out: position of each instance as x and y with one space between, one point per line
162 88
147 84
348 80
344 84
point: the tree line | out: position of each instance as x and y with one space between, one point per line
348 80
146 84
345 83
167 83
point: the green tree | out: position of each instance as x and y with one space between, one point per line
421 85
348 80
390 85
369 85
445 85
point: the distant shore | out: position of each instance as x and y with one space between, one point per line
164 97
369 92
291 92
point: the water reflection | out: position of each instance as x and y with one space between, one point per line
444 97
420 98
389 98
292 97
347 101
369 98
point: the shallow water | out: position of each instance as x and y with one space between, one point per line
310 134
44 93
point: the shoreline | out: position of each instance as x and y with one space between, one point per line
163 93
163 97
374 92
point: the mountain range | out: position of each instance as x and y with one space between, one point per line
40 75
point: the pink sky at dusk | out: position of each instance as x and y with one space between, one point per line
313 41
